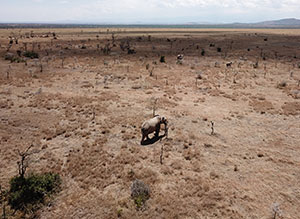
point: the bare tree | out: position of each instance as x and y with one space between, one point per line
151 71
212 128
154 107
161 154
23 163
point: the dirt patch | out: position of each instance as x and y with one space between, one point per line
291 108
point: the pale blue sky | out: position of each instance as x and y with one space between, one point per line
147 11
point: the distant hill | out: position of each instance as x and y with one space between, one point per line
282 22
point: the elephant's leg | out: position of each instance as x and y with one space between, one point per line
143 137
157 130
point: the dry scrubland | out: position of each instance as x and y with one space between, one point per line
82 109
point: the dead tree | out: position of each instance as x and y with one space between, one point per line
212 128
151 72
33 46
113 38
62 61
8 72
25 46
198 77
161 154
154 107
23 163
107 48
234 77
41 66
255 65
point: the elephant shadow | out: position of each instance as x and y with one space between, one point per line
152 140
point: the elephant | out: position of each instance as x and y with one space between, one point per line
153 125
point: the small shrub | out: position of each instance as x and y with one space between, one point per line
147 66
9 56
140 193
19 52
17 60
162 59
255 65
31 54
131 51
282 85
203 52
119 212
27 193
12 58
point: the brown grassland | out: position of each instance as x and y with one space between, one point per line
82 102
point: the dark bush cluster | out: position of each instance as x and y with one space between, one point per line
202 52
26 193
12 58
31 54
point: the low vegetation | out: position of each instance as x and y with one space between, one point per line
28 193
140 193
31 54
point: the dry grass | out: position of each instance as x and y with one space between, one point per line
84 118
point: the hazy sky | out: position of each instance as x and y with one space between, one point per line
147 11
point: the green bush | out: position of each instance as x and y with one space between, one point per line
31 54
28 192
140 193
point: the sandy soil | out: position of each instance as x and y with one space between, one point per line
82 110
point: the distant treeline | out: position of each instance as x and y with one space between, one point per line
183 26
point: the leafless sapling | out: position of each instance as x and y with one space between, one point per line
255 65
212 128
33 46
161 154
41 66
113 38
62 61
151 72
234 77
198 77
276 211
23 163
154 107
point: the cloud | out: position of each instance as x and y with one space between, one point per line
150 10
64 2
38 1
